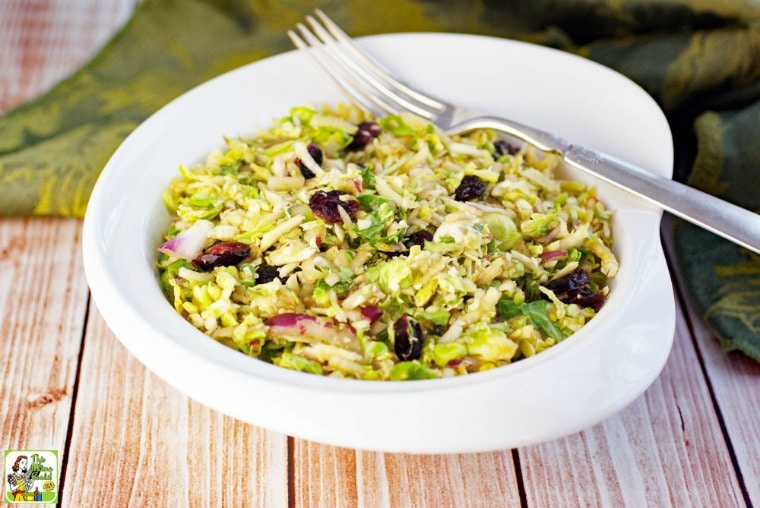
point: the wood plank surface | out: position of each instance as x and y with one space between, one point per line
159 447
665 449
333 476
43 301
735 384
735 381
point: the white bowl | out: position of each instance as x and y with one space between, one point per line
573 385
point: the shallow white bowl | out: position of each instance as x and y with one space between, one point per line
575 384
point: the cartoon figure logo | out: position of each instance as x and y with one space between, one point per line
31 476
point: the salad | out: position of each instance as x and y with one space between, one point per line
336 243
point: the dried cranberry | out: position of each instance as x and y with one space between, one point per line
325 205
306 172
365 133
570 282
418 238
316 153
266 273
408 338
587 298
221 254
575 288
471 188
503 148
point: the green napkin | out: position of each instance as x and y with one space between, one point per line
700 59
723 279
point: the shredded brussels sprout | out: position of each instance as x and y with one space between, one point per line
338 244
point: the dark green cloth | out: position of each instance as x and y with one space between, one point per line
700 59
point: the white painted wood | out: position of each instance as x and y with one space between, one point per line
665 449
43 301
158 447
331 476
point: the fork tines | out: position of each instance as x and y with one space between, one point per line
358 75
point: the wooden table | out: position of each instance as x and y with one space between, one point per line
127 438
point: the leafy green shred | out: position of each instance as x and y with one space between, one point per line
535 311
378 225
391 276
412 370
540 223
396 125
297 362
368 176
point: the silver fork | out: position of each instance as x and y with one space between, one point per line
370 86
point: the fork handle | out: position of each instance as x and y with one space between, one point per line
732 222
